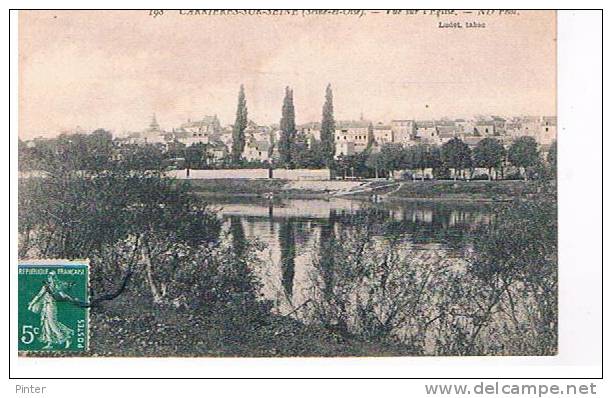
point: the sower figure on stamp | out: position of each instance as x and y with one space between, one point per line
44 303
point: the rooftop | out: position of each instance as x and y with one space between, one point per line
347 124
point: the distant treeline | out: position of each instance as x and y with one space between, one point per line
489 159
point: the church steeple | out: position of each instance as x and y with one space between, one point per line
154 126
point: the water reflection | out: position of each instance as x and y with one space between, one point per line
294 231
286 237
403 272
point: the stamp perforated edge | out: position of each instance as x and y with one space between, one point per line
58 262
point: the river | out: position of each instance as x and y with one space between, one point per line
292 231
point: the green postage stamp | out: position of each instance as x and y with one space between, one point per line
53 315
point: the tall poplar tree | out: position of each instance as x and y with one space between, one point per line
287 127
238 140
370 135
328 126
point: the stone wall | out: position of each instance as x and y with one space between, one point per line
282 174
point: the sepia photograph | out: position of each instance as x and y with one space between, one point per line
258 202
287 183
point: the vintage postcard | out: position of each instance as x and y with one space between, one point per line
295 183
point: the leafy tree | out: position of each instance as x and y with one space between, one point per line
408 160
30 157
523 153
346 165
421 158
85 153
238 139
376 162
316 157
328 126
98 150
195 156
435 160
23 153
392 154
353 165
140 157
516 256
122 216
456 155
299 150
309 156
69 153
551 156
287 127
358 163
489 153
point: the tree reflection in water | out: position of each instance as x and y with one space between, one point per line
437 279
286 237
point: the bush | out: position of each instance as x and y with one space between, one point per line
407 176
442 173
499 299
513 176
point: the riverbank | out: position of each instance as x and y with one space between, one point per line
273 188
118 330
367 189
496 191
168 332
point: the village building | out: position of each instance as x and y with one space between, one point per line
345 148
530 126
448 132
257 132
542 128
464 127
484 129
257 151
383 134
548 130
217 151
312 132
404 131
151 135
226 137
499 123
312 129
197 132
351 137
427 133
513 128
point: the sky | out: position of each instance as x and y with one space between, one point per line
114 69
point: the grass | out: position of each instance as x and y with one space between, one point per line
130 327
261 187
236 186
465 190
171 333
443 190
